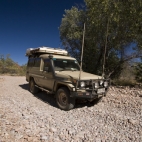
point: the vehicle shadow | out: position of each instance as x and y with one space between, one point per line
47 98
50 99
80 104
24 86
42 95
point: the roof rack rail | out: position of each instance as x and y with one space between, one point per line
45 50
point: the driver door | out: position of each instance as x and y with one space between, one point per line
48 78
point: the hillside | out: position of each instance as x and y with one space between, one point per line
8 66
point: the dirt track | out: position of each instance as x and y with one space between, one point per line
25 117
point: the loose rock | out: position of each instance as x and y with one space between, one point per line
25 117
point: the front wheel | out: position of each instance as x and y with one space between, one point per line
63 99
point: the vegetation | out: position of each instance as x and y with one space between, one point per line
113 39
112 36
138 72
8 66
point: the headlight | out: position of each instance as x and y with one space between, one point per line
105 84
82 83
96 85
101 82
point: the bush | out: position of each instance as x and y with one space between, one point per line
8 66
124 82
138 72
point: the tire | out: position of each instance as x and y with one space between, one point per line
63 99
33 89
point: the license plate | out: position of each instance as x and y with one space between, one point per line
101 90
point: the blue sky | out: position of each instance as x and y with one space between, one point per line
30 24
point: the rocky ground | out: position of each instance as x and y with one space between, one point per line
25 117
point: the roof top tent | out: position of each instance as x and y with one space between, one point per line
30 52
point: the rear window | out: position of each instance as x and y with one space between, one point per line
34 62
37 62
31 62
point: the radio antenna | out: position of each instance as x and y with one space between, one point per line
82 52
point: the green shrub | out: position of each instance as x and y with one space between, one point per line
124 82
8 66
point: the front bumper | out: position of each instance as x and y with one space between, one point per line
90 92
87 95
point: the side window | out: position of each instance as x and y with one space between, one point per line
37 62
31 62
47 65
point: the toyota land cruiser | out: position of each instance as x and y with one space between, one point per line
54 71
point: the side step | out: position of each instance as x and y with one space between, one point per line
43 89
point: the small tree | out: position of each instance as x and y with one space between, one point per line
112 27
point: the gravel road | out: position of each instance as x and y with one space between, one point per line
25 117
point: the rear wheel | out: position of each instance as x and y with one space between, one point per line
63 99
32 87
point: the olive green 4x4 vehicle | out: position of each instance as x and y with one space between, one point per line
53 71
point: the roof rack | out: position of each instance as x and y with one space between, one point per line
45 50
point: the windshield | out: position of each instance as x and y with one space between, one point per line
65 64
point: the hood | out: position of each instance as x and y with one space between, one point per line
75 75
